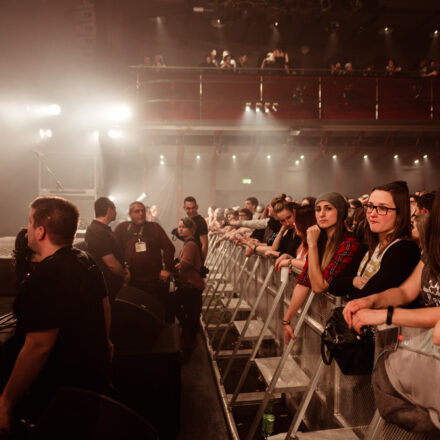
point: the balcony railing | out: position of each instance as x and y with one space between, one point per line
203 94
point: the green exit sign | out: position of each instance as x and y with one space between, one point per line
246 181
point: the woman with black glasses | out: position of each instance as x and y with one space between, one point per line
389 255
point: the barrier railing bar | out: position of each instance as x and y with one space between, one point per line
248 321
234 314
260 340
270 388
222 279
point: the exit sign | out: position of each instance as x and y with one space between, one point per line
246 181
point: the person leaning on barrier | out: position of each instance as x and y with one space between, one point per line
331 248
412 372
104 248
389 256
304 218
63 317
287 240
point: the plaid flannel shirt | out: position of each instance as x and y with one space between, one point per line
345 252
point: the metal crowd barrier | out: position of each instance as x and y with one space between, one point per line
329 404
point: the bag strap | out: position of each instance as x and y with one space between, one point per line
326 359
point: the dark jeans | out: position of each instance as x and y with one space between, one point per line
188 308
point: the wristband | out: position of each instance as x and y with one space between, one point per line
255 247
390 312
290 264
284 322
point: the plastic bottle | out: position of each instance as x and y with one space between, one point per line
267 423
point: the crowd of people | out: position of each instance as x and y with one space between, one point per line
381 253
278 62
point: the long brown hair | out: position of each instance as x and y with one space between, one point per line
402 228
304 218
327 248
433 237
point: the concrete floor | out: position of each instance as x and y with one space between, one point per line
201 412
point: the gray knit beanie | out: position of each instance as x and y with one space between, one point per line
336 200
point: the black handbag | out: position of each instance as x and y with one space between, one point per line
354 353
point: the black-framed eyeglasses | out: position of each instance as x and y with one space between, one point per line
381 210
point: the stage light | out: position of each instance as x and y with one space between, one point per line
266 107
42 133
197 157
118 113
217 23
162 162
425 156
95 135
268 156
365 156
387 30
248 107
275 106
276 24
161 156
334 156
258 106
296 162
48 133
434 34
396 156
112 198
416 161
302 156
234 156
115 134
45 134
54 110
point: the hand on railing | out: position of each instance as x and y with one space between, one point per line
282 261
353 307
288 333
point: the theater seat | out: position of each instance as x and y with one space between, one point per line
75 413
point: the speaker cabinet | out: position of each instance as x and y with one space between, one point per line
137 320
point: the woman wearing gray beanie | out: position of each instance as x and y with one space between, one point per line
331 248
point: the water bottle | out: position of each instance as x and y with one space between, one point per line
268 421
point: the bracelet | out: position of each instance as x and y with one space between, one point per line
284 322
390 312
290 264
255 247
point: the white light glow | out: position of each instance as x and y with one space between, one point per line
396 156
112 198
296 162
117 113
141 197
54 110
48 133
416 161
234 156
268 156
115 134
198 156
425 156
95 135
302 156
162 162
334 156
365 156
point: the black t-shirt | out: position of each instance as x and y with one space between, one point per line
201 228
100 242
289 244
66 291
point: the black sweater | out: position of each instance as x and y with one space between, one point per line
396 266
